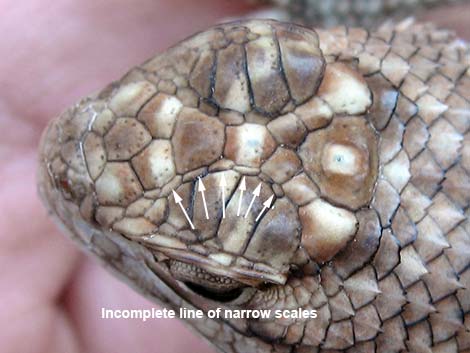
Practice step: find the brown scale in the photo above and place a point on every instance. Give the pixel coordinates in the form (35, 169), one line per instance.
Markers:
(362, 138)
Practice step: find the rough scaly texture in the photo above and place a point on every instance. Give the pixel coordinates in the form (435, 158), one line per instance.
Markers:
(367, 13)
(362, 137)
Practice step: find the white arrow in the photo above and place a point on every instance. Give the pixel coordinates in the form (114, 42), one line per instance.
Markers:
(266, 205)
(201, 188)
(242, 188)
(223, 184)
(256, 193)
(178, 200)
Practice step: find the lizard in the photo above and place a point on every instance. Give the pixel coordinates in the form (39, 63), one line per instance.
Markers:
(359, 138)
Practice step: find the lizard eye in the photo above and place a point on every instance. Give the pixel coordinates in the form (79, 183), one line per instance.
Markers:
(219, 295)
(210, 286)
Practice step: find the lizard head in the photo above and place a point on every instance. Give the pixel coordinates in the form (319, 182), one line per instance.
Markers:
(242, 160)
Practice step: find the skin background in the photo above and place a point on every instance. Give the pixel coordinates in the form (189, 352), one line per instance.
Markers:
(52, 54)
